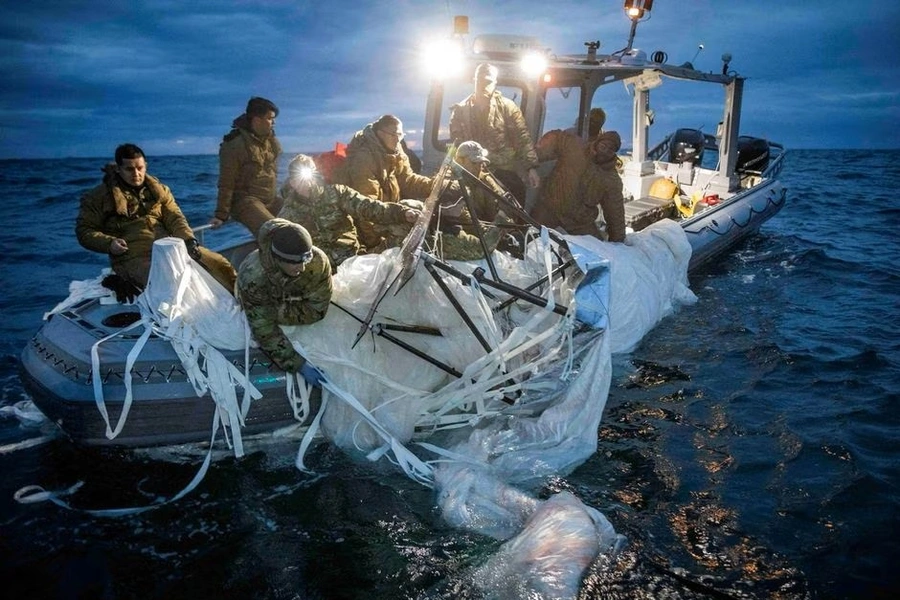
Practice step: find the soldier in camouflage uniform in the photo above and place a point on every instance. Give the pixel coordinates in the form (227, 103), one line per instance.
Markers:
(377, 167)
(457, 238)
(326, 210)
(130, 210)
(248, 168)
(286, 281)
(497, 124)
(473, 157)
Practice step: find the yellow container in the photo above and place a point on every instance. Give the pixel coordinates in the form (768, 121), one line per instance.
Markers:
(664, 188)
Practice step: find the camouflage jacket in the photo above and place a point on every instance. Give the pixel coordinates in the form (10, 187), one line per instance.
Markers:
(270, 298)
(248, 166)
(503, 132)
(376, 172)
(327, 217)
(114, 209)
(571, 193)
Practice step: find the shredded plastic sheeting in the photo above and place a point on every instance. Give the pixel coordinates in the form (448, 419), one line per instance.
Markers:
(187, 306)
(84, 290)
(526, 408)
(484, 475)
(403, 391)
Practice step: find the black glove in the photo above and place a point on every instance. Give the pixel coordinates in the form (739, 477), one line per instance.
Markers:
(125, 290)
(193, 249)
(509, 243)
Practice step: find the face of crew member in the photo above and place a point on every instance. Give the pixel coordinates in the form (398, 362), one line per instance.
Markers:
(133, 171)
(291, 269)
(471, 166)
(301, 185)
(485, 81)
(390, 136)
(262, 125)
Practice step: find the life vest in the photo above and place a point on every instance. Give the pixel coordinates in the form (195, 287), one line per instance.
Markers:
(328, 162)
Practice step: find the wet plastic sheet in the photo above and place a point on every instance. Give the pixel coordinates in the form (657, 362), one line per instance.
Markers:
(484, 475)
(549, 543)
(548, 557)
(648, 278)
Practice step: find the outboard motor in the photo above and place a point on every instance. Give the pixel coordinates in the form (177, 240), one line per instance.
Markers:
(686, 146)
(753, 154)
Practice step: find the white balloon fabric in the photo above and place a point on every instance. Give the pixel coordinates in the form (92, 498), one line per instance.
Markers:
(493, 404)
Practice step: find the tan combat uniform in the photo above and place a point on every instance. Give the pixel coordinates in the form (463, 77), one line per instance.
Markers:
(248, 176)
(376, 172)
(578, 183)
(140, 216)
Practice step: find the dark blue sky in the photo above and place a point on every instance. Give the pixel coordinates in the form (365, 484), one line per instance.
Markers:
(80, 77)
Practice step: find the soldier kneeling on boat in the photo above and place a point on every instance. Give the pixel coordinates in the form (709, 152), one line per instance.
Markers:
(286, 281)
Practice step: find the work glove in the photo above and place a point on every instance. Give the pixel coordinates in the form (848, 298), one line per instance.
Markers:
(124, 290)
(510, 243)
(193, 249)
(311, 374)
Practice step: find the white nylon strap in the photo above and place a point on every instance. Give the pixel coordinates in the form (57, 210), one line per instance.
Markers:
(97, 382)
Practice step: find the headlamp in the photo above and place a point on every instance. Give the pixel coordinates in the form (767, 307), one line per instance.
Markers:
(305, 173)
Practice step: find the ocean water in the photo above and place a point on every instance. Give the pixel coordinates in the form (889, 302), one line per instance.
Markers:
(748, 449)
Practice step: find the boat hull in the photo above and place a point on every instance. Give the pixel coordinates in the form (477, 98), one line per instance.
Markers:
(716, 229)
(56, 371)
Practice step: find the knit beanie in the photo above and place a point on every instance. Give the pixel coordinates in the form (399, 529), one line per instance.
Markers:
(605, 146)
(291, 244)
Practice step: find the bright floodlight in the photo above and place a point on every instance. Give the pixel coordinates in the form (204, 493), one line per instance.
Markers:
(443, 58)
(635, 9)
(534, 64)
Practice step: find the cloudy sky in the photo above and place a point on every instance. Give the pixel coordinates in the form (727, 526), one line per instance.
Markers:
(77, 77)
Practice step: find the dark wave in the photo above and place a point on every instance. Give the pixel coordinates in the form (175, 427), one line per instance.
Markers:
(58, 199)
(888, 212)
(84, 181)
(851, 176)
